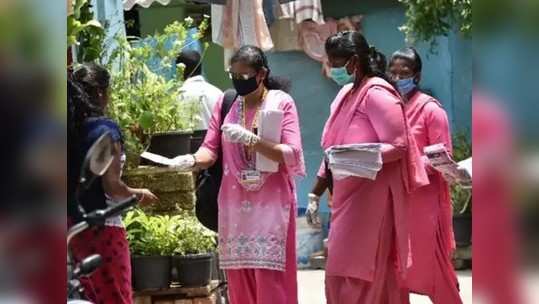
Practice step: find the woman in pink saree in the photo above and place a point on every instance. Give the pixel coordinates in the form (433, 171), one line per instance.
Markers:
(256, 209)
(430, 211)
(368, 241)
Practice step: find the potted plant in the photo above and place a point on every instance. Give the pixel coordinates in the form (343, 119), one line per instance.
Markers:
(192, 262)
(151, 244)
(145, 98)
(461, 198)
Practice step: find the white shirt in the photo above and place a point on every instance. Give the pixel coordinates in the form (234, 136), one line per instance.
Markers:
(197, 88)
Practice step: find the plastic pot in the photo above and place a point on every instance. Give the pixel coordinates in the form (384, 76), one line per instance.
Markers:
(462, 228)
(193, 270)
(197, 139)
(151, 272)
(169, 144)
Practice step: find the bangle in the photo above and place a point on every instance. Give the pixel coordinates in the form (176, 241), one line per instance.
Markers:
(194, 161)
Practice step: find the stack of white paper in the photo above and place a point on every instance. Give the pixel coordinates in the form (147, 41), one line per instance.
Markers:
(361, 160)
(269, 128)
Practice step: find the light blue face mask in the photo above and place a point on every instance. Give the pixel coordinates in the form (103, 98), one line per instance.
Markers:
(341, 76)
(406, 85)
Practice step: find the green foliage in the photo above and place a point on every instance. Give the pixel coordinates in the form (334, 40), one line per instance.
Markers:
(149, 235)
(461, 197)
(193, 237)
(84, 32)
(143, 101)
(462, 148)
(167, 235)
(427, 19)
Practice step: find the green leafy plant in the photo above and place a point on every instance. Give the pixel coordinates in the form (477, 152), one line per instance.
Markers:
(426, 20)
(194, 238)
(145, 84)
(461, 197)
(84, 32)
(150, 235)
(164, 235)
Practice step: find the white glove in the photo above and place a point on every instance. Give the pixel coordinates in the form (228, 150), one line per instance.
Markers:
(235, 133)
(312, 213)
(183, 162)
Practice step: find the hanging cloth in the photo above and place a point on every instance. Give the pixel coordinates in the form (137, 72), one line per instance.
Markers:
(301, 10)
(240, 22)
(312, 36)
(129, 4)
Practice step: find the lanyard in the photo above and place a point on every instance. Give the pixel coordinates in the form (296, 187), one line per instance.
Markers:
(243, 120)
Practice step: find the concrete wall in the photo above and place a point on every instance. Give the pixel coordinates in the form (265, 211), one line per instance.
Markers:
(156, 17)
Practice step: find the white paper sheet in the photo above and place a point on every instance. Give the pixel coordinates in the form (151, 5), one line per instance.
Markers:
(158, 159)
(269, 129)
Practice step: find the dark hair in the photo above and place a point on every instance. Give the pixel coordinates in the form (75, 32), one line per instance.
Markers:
(349, 43)
(192, 61)
(79, 106)
(94, 80)
(255, 58)
(410, 55)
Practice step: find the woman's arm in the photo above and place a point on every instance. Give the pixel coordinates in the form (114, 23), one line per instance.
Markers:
(270, 150)
(386, 115)
(437, 127)
(204, 158)
(116, 189)
(320, 186)
(289, 152)
(206, 155)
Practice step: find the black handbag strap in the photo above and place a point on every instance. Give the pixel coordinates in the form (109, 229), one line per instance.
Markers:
(329, 176)
(228, 100)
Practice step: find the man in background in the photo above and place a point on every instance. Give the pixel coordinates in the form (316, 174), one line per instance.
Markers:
(197, 88)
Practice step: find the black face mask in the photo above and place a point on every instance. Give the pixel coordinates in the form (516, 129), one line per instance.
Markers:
(245, 87)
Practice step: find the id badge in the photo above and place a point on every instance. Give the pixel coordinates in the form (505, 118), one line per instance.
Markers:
(250, 176)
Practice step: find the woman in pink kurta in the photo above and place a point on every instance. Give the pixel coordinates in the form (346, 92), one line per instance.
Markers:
(430, 210)
(256, 209)
(368, 240)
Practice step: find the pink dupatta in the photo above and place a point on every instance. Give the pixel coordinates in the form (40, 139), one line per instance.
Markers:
(410, 169)
(414, 174)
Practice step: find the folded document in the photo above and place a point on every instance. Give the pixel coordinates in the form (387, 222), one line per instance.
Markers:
(441, 161)
(269, 129)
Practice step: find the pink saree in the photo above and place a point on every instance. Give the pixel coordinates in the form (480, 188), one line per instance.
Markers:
(256, 224)
(430, 212)
(368, 241)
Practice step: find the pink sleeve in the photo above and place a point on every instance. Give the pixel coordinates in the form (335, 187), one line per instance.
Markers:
(437, 125)
(387, 118)
(212, 141)
(291, 140)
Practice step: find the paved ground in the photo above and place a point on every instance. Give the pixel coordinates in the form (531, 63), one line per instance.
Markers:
(311, 288)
